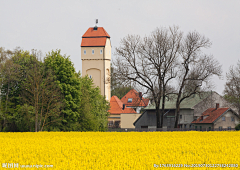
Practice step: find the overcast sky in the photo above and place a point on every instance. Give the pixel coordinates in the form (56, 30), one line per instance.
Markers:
(55, 24)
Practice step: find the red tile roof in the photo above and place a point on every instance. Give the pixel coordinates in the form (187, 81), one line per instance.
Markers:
(94, 38)
(210, 115)
(116, 106)
(93, 42)
(100, 32)
(136, 101)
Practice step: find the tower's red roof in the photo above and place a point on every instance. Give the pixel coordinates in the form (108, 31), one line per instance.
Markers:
(93, 42)
(100, 32)
(95, 38)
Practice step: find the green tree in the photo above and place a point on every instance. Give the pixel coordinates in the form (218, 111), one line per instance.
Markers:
(41, 91)
(70, 87)
(84, 108)
(94, 106)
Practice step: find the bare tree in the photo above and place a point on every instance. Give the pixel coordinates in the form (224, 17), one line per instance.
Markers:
(195, 70)
(150, 62)
(232, 86)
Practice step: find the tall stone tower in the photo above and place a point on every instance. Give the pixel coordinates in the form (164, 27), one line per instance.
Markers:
(96, 58)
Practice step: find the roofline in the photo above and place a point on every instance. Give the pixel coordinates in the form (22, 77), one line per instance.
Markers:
(189, 108)
(204, 98)
(97, 37)
(224, 113)
(93, 46)
(139, 118)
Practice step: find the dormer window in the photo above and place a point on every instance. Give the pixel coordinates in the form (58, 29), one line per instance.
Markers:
(100, 51)
(129, 100)
(85, 52)
(232, 119)
(92, 51)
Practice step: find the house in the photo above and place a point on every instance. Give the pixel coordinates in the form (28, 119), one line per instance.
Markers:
(217, 118)
(134, 99)
(190, 109)
(117, 108)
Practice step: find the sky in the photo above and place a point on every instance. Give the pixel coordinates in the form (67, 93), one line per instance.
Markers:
(56, 24)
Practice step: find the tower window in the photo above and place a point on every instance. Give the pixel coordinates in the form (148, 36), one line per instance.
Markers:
(85, 52)
(100, 51)
(90, 76)
(92, 51)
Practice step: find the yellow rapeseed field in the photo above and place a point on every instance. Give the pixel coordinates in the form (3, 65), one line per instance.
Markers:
(120, 150)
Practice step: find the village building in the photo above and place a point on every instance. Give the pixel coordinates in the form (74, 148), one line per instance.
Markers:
(135, 100)
(190, 109)
(96, 58)
(125, 111)
(217, 119)
(117, 108)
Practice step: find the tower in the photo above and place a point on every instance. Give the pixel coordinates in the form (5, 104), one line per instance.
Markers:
(96, 58)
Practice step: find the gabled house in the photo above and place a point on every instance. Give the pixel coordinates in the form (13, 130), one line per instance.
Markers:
(116, 109)
(134, 99)
(190, 109)
(217, 118)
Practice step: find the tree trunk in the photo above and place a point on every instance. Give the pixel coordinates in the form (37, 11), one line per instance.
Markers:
(4, 119)
(158, 116)
(177, 115)
(162, 110)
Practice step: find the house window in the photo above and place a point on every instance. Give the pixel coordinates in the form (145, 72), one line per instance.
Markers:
(129, 100)
(209, 128)
(190, 126)
(117, 124)
(232, 119)
(90, 76)
(196, 127)
(223, 118)
(144, 127)
(200, 127)
(185, 125)
(110, 123)
(229, 128)
(92, 51)
(100, 51)
(85, 52)
(220, 128)
(180, 116)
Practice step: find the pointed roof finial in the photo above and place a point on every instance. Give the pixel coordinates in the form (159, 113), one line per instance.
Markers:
(95, 28)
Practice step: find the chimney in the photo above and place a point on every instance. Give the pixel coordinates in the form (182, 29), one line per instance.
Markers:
(217, 106)
(123, 106)
(140, 95)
